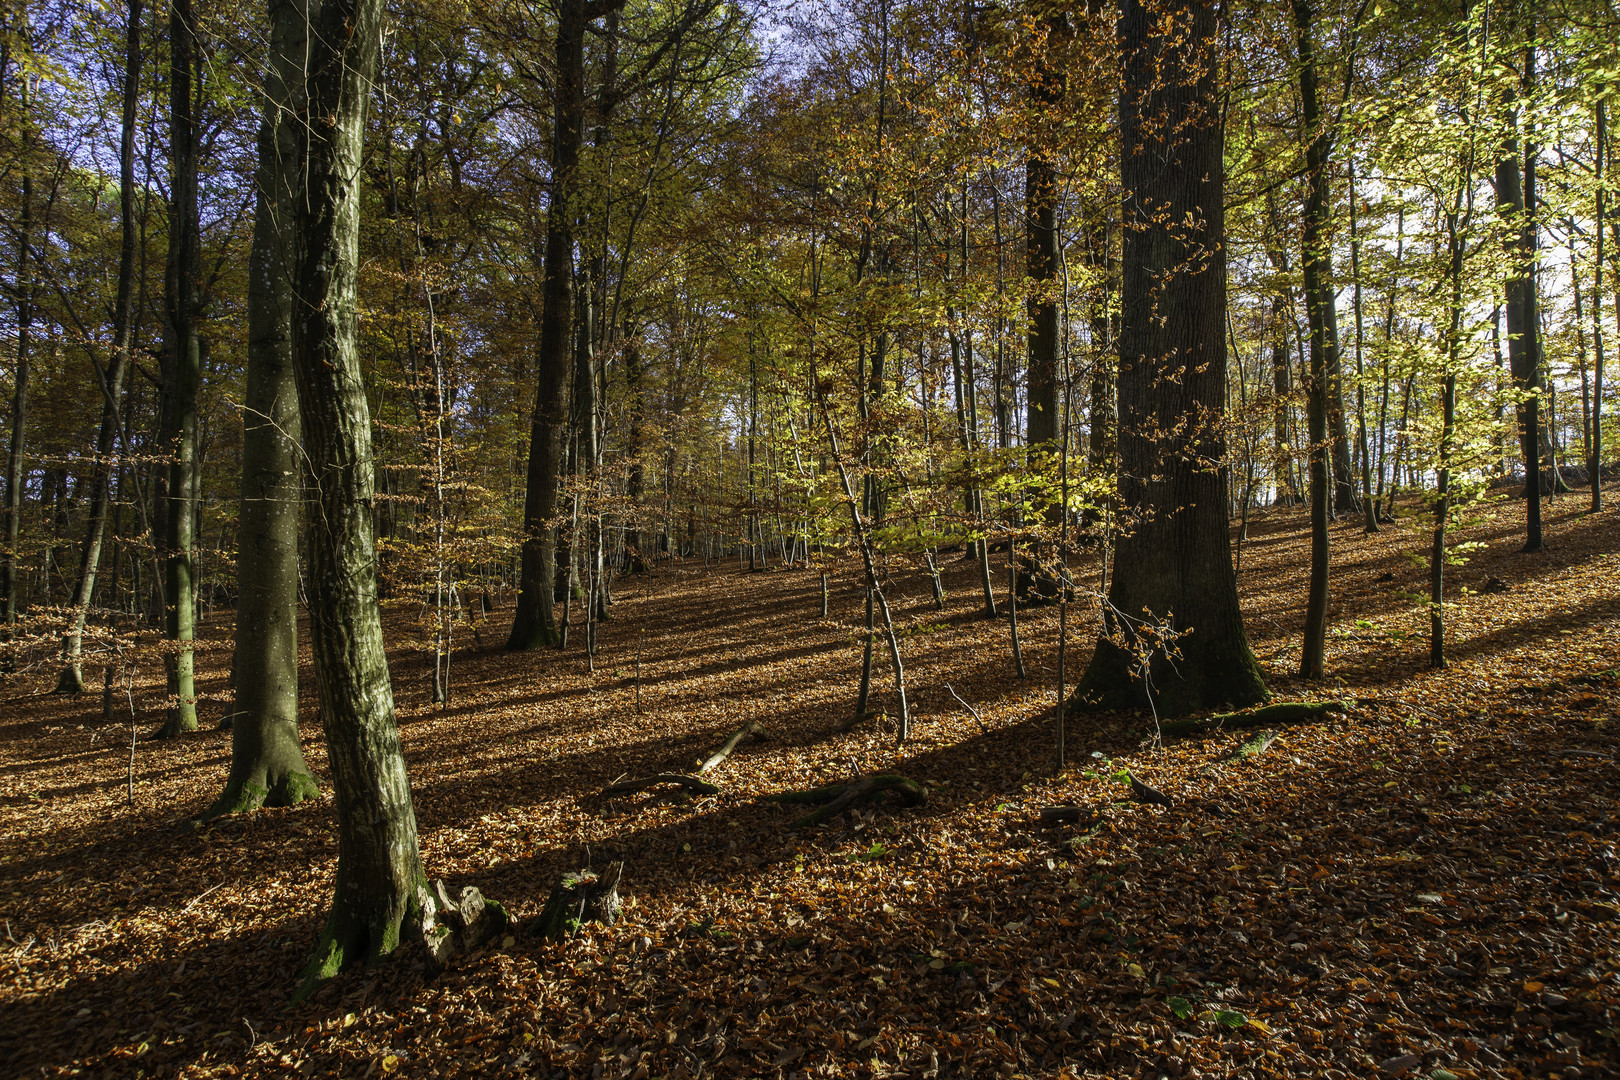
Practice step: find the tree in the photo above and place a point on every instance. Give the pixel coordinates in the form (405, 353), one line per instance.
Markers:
(110, 379)
(182, 374)
(379, 860)
(535, 623)
(267, 763)
(1174, 587)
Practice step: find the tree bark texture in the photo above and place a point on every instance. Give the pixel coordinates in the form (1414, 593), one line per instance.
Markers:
(1174, 562)
(112, 380)
(535, 622)
(267, 762)
(1319, 303)
(182, 377)
(379, 862)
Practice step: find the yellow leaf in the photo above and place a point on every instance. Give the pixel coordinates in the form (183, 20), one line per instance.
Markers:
(1260, 1026)
(389, 1063)
(1053, 983)
(1532, 987)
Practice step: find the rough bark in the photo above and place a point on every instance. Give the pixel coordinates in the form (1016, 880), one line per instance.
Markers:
(9, 581)
(267, 762)
(1174, 563)
(379, 862)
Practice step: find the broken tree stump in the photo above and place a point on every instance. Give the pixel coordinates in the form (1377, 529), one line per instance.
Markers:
(450, 927)
(1053, 816)
(834, 799)
(690, 783)
(755, 729)
(580, 897)
(1279, 714)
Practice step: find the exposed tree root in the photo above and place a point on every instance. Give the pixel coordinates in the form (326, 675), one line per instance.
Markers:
(834, 799)
(1280, 714)
(690, 783)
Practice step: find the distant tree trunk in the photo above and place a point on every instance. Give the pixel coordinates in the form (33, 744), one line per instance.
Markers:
(1523, 322)
(1281, 382)
(379, 861)
(1319, 307)
(534, 623)
(112, 380)
(636, 482)
(1369, 509)
(267, 762)
(183, 356)
(9, 581)
(1104, 358)
(1175, 560)
(1594, 468)
(1040, 239)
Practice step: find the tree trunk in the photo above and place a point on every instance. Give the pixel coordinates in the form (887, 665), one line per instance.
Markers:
(9, 581)
(1594, 468)
(534, 623)
(112, 380)
(183, 360)
(1175, 562)
(379, 862)
(1523, 323)
(1040, 238)
(267, 763)
(1319, 304)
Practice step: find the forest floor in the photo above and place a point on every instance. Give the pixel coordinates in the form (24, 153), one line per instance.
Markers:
(1423, 885)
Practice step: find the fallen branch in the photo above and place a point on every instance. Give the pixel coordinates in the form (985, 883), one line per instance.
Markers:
(834, 799)
(690, 783)
(1143, 793)
(969, 708)
(1253, 746)
(1280, 714)
(755, 729)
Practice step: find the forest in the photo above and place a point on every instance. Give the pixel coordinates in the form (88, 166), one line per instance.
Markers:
(672, 538)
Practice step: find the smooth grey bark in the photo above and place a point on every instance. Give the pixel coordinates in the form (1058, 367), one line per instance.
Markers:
(181, 378)
(379, 860)
(112, 379)
(1174, 562)
(267, 762)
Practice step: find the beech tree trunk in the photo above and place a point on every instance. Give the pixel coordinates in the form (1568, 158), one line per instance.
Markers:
(379, 862)
(1174, 563)
(535, 622)
(1523, 321)
(183, 356)
(9, 583)
(1319, 306)
(267, 762)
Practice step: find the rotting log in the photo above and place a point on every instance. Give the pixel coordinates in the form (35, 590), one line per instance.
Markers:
(755, 729)
(1251, 747)
(834, 799)
(451, 927)
(1280, 714)
(580, 897)
(690, 783)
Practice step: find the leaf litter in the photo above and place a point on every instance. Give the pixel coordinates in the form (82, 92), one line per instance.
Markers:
(1422, 885)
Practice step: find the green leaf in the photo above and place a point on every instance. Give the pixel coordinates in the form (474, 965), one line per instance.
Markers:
(1231, 1018)
(1180, 1006)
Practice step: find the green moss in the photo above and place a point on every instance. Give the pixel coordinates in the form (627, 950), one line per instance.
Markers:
(294, 788)
(326, 962)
